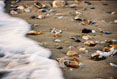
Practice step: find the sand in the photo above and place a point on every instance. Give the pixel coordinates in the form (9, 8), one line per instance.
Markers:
(91, 69)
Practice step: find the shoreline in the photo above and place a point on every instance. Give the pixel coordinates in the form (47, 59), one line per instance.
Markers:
(93, 70)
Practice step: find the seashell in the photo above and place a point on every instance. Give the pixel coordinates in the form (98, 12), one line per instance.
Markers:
(13, 12)
(41, 17)
(33, 32)
(72, 53)
(90, 43)
(20, 7)
(58, 3)
(27, 10)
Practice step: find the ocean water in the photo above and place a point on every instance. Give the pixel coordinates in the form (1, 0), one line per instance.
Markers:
(23, 58)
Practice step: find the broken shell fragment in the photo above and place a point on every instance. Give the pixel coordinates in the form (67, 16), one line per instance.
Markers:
(81, 48)
(73, 64)
(12, 12)
(57, 35)
(90, 43)
(72, 53)
(113, 65)
(35, 25)
(59, 47)
(42, 10)
(20, 7)
(106, 49)
(27, 10)
(85, 22)
(54, 30)
(33, 32)
(68, 62)
(41, 17)
(100, 55)
(97, 57)
(57, 40)
(58, 3)
(37, 4)
(75, 39)
(78, 18)
(86, 37)
(66, 42)
(114, 45)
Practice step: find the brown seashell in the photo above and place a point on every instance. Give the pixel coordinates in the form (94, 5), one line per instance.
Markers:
(106, 49)
(57, 35)
(33, 33)
(72, 53)
(75, 59)
(85, 22)
(114, 45)
(73, 64)
(90, 43)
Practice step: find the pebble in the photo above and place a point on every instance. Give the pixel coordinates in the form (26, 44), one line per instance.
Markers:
(59, 47)
(85, 30)
(33, 17)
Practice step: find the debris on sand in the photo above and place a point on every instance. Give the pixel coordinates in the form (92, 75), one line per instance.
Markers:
(57, 40)
(82, 49)
(72, 53)
(58, 3)
(86, 37)
(88, 22)
(114, 46)
(75, 38)
(56, 32)
(40, 17)
(35, 25)
(99, 55)
(33, 32)
(12, 12)
(59, 47)
(69, 62)
(37, 4)
(90, 43)
(33, 17)
(113, 65)
(78, 18)
(73, 6)
(85, 30)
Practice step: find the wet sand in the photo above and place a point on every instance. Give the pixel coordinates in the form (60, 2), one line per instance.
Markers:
(91, 69)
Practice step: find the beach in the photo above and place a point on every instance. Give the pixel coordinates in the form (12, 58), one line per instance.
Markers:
(100, 14)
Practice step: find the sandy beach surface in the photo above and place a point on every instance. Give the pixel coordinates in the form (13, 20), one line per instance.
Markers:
(101, 14)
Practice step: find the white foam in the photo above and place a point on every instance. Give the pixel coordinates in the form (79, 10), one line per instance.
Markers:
(24, 58)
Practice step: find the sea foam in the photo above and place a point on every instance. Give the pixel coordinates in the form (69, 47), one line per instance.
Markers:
(24, 58)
